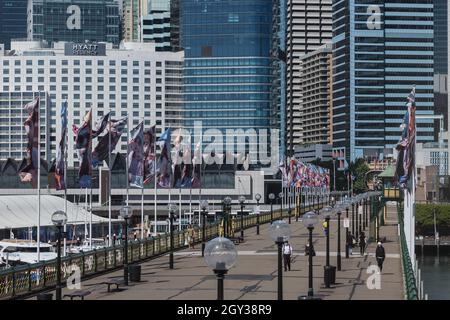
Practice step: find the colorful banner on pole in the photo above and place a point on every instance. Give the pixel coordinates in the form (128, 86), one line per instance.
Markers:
(407, 144)
(29, 173)
(60, 167)
(164, 163)
(101, 151)
(298, 174)
(83, 144)
(136, 157)
(149, 154)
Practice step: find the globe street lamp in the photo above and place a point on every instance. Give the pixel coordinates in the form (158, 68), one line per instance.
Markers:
(280, 195)
(310, 219)
(227, 212)
(126, 212)
(173, 208)
(327, 212)
(280, 231)
(59, 219)
(271, 198)
(241, 202)
(257, 197)
(204, 205)
(220, 255)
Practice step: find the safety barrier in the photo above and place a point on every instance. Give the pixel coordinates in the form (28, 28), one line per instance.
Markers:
(408, 271)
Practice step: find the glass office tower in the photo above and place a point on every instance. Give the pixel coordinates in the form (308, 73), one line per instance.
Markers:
(227, 63)
(74, 20)
(13, 20)
(376, 62)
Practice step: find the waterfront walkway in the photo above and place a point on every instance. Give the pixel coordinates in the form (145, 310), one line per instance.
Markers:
(254, 277)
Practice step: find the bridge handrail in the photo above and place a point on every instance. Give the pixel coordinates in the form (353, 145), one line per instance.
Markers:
(24, 280)
(408, 271)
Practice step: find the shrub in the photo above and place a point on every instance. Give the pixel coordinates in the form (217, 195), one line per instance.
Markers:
(425, 219)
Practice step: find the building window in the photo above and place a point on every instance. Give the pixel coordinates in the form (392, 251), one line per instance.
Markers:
(135, 63)
(124, 63)
(40, 62)
(147, 63)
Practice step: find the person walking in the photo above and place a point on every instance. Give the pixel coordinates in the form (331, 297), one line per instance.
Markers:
(307, 248)
(190, 234)
(350, 242)
(287, 251)
(380, 255)
(362, 243)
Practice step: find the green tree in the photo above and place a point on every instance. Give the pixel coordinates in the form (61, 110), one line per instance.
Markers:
(359, 168)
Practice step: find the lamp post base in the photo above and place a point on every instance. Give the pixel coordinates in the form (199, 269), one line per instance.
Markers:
(308, 297)
(220, 273)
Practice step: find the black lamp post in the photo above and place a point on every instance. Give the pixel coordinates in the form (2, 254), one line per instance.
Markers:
(289, 204)
(310, 219)
(353, 217)
(227, 213)
(280, 195)
(279, 231)
(204, 205)
(172, 209)
(327, 211)
(59, 219)
(126, 212)
(220, 255)
(241, 202)
(299, 204)
(367, 210)
(271, 198)
(257, 197)
(357, 214)
(338, 261)
(347, 243)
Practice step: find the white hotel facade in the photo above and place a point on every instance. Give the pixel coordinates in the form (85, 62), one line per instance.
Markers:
(133, 80)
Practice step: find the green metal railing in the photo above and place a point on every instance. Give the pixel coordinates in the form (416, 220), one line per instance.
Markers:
(24, 280)
(408, 271)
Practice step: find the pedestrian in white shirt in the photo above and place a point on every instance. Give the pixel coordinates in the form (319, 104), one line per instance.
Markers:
(287, 251)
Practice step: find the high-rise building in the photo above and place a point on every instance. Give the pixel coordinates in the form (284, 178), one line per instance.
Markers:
(441, 41)
(161, 25)
(74, 20)
(13, 20)
(133, 80)
(381, 49)
(309, 26)
(228, 75)
(316, 105)
(132, 13)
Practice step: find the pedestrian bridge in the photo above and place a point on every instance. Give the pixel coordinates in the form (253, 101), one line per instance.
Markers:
(254, 277)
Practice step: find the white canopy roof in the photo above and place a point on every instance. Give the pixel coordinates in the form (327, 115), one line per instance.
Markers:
(20, 211)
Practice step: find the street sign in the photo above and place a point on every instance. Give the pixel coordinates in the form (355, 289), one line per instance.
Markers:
(346, 223)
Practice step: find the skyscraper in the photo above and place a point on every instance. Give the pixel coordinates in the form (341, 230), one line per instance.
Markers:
(309, 26)
(13, 20)
(227, 63)
(74, 20)
(381, 50)
(441, 41)
(132, 13)
(161, 25)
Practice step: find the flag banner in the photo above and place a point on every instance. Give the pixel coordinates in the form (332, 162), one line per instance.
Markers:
(101, 152)
(136, 157)
(83, 144)
(298, 174)
(59, 170)
(164, 163)
(149, 154)
(182, 167)
(29, 173)
(407, 144)
(196, 167)
(100, 126)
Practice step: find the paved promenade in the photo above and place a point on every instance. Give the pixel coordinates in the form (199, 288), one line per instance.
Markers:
(254, 277)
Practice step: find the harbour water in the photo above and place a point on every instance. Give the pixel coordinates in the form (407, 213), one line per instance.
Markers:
(436, 276)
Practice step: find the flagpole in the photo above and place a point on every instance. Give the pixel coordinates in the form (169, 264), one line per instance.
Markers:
(142, 191)
(90, 219)
(179, 208)
(126, 159)
(38, 238)
(65, 180)
(86, 209)
(154, 178)
(109, 184)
